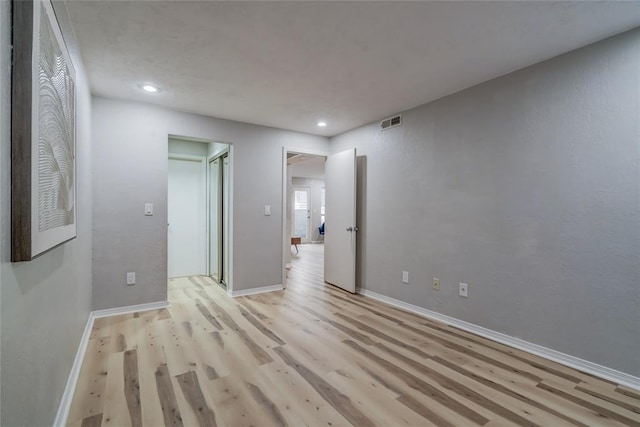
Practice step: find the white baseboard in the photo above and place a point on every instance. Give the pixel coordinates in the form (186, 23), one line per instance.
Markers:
(253, 291)
(547, 353)
(130, 309)
(72, 381)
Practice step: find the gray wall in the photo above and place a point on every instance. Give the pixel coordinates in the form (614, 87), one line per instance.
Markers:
(45, 303)
(130, 168)
(191, 148)
(313, 167)
(216, 148)
(526, 187)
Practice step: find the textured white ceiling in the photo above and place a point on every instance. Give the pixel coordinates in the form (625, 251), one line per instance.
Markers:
(289, 64)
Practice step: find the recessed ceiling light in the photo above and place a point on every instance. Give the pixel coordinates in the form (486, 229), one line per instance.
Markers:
(322, 124)
(149, 88)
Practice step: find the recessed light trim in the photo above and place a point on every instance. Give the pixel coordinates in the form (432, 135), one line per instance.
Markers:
(149, 88)
(322, 124)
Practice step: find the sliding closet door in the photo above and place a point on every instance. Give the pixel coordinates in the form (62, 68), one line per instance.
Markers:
(215, 220)
(225, 219)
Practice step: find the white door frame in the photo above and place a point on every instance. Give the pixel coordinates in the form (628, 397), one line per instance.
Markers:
(205, 175)
(286, 245)
(231, 180)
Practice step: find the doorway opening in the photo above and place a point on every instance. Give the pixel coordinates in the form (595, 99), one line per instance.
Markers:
(335, 221)
(305, 208)
(199, 209)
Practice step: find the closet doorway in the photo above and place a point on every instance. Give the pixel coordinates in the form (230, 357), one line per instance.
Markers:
(200, 209)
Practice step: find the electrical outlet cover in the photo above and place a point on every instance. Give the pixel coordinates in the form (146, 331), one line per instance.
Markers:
(463, 290)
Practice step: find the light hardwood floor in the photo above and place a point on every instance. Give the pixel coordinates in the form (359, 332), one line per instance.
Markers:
(314, 355)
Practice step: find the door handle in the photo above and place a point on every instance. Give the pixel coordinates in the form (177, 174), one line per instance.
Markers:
(349, 228)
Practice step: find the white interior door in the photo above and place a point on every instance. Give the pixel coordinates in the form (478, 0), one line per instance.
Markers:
(187, 245)
(225, 220)
(302, 213)
(340, 222)
(215, 220)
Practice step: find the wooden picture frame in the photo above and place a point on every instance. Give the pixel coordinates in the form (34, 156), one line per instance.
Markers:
(43, 120)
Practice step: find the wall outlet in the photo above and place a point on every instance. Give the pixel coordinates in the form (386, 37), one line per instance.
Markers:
(405, 277)
(267, 210)
(436, 284)
(463, 290)
(131, 278)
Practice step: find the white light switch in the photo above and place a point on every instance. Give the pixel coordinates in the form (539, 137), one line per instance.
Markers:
(405, 277)
(267, 210)
(148, 209)
(131, 278)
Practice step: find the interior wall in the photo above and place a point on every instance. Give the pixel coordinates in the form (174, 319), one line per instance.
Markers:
(525, 187)
(216, 148)
(313, 167)
(191, 148)
(45, 303)
(131, 169)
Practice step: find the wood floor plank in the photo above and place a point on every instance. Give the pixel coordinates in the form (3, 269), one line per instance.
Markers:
(419, 385)
(270, 408)
(505, 390)
(90, 390)
(207, 315)
(92, 421)
(315, 355)
(168, 401)
(150, 358)
(621, 401)
(132, 387)
(338, 400)
(116, 412)
(425, 411)
(258, 352)
(234, 403)
(298, 400)
(261, 327)
(603, 408)
(382, 410)
(626, 391)
(193, 394)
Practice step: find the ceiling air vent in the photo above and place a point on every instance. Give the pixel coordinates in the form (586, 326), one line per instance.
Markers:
(391, 122)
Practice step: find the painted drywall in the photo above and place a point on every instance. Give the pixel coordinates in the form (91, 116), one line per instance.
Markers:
(526, 187)
(314, 185)
(216, 148)
(45, 303)
(313, 167)
(190, 148)
(130, 149)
